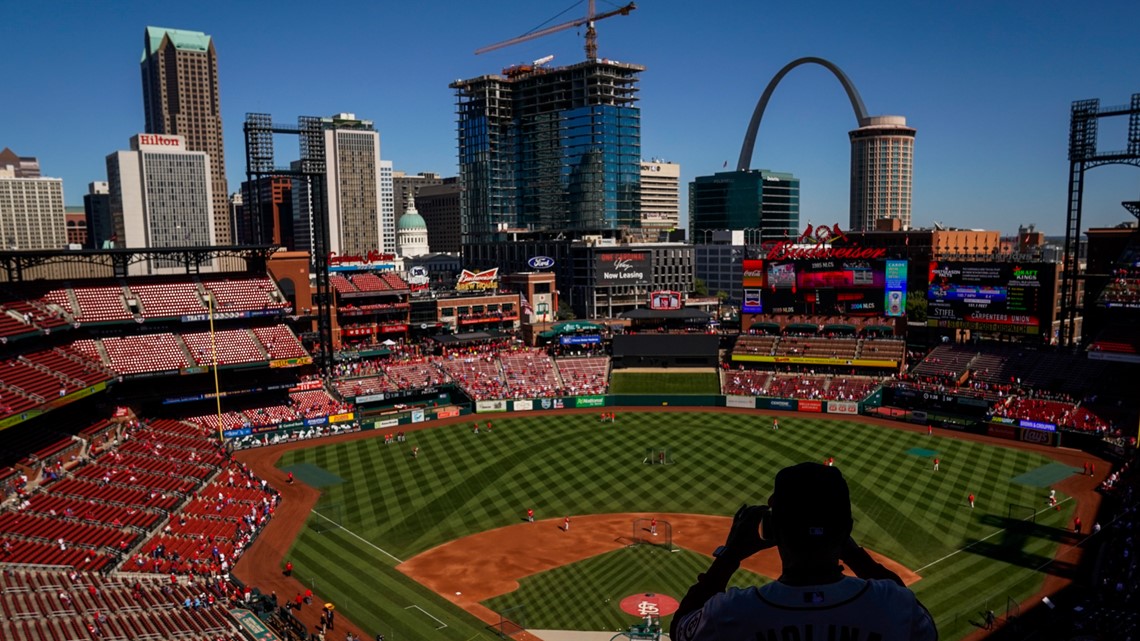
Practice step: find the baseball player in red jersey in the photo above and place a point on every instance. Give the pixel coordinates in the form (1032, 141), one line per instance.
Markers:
(530, 515)
(936, 462)
(653, 526)
(971, 500)
(566, 524)
(808, 518)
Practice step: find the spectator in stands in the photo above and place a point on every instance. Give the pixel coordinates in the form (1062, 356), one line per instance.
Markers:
(809, 519)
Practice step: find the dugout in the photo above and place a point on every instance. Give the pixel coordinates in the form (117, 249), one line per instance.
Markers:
(665, 350)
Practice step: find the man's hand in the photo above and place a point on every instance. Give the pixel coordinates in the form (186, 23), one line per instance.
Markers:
(744, 537)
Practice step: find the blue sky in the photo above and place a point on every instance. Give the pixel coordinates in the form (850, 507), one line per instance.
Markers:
(988, 85)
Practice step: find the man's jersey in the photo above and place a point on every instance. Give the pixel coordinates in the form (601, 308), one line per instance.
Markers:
(848, 609)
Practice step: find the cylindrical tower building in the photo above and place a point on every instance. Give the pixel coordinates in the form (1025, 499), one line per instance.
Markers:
(882, 159)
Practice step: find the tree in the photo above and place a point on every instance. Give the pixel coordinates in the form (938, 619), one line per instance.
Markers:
(700, 287)
(916, 306)
(565, 313)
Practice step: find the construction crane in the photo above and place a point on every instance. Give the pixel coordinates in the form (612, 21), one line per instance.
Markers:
(521, 69)
(591, 33)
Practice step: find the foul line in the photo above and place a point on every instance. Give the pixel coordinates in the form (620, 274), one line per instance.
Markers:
(1044, 509)
(359, 538)
(442, 625)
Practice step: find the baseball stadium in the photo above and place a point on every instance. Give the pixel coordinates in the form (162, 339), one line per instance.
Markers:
(227, 453)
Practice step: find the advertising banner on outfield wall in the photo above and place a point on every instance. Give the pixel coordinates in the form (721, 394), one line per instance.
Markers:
(747, 402)
(1036, 436)
(391, 422)
(447, 412)
(551, 403)
(342, 418)
(806, 405)
(417, 416)
(491, 406)
(590, 401)
(841, 407)
(522, 406)
(1007, 432)
(777, 403)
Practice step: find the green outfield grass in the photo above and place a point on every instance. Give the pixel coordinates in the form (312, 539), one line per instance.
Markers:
(570, 464)
(664, 383)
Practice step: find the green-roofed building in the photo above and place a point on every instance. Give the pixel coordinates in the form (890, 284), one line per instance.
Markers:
(180, 98)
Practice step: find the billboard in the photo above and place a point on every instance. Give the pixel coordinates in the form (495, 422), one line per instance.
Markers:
(851, 287)
(665, 300)
(487, 279)
(993, 297)
(622, 268)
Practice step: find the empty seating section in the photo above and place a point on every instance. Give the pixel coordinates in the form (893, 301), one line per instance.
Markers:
(21, 377)
(169, 299)
(414, 374)
(10, 326)
(84, 510)
(314, 403)
(244, 294)
(101, 304)
(280, 342)
(232, 346)
(229, 420)
(134, 479)
(585, 375)
(796, 386)
(883, 349)
(947, 362)
(394, 281)
(353, 387)
(746, 382)
(145, 353)
(530, 374)
(61, 297)
(51, 606)
(755, 344)
(47, 374)
(113, 494)
(840, 348)
(342, 285)
(16, 550)
(39, 313)
(368, 282)
(480, 376)
(203, 527)
(52, 530)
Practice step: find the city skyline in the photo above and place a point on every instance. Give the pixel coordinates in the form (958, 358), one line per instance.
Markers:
(988, 88)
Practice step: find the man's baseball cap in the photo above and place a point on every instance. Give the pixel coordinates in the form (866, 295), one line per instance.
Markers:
(811, 504)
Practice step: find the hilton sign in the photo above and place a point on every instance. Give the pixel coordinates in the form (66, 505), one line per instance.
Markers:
(157, 140)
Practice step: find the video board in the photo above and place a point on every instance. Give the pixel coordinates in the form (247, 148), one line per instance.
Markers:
(992, 297)
(851, 287)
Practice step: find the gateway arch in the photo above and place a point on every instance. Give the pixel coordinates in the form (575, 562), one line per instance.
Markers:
(877, 191)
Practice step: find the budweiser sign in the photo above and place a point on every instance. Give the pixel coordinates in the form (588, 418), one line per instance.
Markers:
(816, 243)
(486, 279)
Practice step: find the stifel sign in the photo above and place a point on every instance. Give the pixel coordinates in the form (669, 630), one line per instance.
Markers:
(816, 243)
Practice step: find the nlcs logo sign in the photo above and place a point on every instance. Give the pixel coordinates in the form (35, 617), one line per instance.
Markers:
(541, 262)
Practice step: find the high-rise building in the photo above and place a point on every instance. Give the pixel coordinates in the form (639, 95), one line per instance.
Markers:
(97, 210)
(387, 208)
(439, 205)
(31, 206)
(75, 221)
(550, 149)
(272, 225)
(764, 204)
(882, 159)
(660, 194)
(180, 98)
(405, 187)
(161, 194)
(354, 187)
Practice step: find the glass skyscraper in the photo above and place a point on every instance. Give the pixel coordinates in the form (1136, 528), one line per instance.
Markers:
(550, 149)
(766, 204)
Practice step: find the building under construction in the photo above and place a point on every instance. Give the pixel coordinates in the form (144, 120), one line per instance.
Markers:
(550, 148)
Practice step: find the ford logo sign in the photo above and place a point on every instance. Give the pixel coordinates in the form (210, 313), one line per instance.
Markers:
(541, 262)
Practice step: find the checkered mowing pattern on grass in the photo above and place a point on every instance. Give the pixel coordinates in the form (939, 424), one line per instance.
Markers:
(648, 532)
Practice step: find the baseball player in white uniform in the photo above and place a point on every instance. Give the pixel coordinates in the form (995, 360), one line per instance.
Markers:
(808, 518)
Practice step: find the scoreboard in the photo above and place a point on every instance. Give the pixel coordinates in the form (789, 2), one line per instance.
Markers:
(854, 287)
(994, 297)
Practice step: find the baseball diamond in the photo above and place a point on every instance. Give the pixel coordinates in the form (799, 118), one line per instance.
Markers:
(397, 513)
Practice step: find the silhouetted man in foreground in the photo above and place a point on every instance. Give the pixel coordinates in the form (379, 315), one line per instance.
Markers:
(808, 518)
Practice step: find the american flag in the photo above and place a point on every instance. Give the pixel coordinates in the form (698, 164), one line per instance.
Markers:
(525, 304)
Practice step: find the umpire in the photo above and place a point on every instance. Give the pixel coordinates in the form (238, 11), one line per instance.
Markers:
(808, 518)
